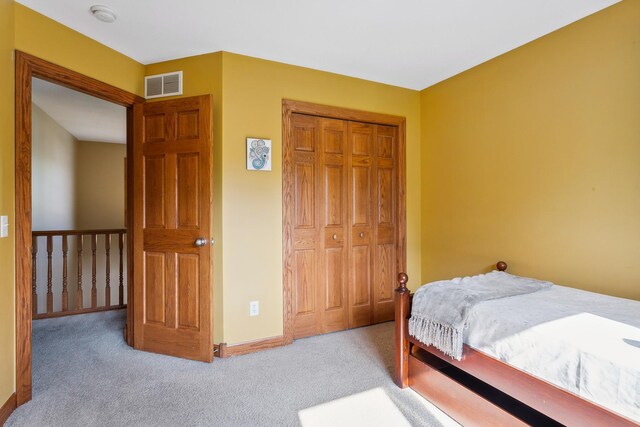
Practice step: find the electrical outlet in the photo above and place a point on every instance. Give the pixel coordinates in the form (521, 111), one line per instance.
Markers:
(254, 308)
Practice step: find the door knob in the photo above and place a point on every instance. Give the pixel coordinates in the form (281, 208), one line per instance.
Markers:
(200, 241)
(335, 237)
(361, 234)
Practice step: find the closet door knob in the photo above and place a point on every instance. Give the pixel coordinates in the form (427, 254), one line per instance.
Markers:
(361, 234)
(335, 237)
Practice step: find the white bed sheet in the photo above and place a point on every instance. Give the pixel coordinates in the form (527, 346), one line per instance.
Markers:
(584, 342)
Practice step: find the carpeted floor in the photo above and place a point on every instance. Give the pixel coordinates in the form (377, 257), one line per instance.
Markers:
(85, 375)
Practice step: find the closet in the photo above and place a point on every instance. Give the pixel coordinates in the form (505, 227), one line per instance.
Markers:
(343, 228)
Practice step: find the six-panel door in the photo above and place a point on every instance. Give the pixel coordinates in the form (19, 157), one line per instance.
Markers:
(320, 299)
(173, 178)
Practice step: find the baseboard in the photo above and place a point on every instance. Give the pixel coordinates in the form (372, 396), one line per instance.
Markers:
(225, 350)
(7, 409)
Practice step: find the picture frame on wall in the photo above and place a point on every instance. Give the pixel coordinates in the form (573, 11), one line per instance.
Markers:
(259, 154)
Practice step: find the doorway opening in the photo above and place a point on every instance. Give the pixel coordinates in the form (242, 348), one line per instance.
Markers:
(78, 156)
(29, 68)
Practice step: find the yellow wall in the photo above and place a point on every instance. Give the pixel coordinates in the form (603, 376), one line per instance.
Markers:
(202, 75)
(534, 158)
(47, 39)
(253, 90)
(7, 253)
(26, 30)
(250, 91)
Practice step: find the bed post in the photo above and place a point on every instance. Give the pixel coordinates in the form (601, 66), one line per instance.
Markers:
(402, 344)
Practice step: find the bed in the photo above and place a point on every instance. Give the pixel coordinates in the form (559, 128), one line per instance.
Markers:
(555, 356)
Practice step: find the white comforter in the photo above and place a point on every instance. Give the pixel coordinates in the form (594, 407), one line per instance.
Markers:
(584, 342)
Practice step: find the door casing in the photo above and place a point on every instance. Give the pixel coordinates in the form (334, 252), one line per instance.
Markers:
(290, 107)
(27, 67)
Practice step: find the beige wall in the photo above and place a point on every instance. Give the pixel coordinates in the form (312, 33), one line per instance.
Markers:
(53, 197)
(7, 206)
(534, 158)
(99, 185)
(53, 161)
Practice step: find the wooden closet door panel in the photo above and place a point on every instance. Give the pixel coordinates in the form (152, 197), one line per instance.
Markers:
(306, 263)
(384, 213)
(335, 316)
(360, 187)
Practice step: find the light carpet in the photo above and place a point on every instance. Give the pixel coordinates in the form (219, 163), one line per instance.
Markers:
(85, 375)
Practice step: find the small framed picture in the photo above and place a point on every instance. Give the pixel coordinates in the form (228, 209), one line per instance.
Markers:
(258, 154)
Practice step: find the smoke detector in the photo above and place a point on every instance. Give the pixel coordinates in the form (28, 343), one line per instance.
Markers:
(103, 13)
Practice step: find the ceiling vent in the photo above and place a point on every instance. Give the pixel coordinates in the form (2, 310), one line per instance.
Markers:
(167, 84)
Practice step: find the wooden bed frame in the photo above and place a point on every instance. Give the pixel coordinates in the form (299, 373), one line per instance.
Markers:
(480, 388)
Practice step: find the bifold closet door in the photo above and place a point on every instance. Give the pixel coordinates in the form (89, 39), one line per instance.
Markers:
(372, 222)
(344, 225)
(385, 182)
(360, 192)
(320, 299)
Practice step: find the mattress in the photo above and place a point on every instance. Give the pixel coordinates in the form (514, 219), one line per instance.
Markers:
(586, 343)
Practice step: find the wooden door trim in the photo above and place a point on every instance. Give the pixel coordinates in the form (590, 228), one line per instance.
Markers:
(27, 67)
(289, 107)
(328, 111)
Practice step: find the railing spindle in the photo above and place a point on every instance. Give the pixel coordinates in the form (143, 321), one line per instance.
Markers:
(94, 289)
(49, 274)
(107, 287)
(121, 278)
(66, 307)
(34, 275)
(65, 294)
(79, 298)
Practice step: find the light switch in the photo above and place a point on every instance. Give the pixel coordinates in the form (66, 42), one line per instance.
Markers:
(4, 226)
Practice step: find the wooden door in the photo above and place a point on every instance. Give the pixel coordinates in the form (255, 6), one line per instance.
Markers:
(360, 193)
(372, 221)
(333, 224)
(385, 180)
(172, 211)
(306, 230)
(320, 299)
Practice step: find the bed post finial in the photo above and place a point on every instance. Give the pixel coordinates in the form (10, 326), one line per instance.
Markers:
(501, 266)
(402, 280)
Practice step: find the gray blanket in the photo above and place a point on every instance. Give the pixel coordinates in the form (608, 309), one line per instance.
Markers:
(440, 309)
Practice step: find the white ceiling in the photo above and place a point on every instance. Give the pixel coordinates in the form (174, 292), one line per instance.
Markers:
(408, 43)
(85, 117)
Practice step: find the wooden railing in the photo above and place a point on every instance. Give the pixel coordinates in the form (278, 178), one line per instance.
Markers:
(77, 305)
